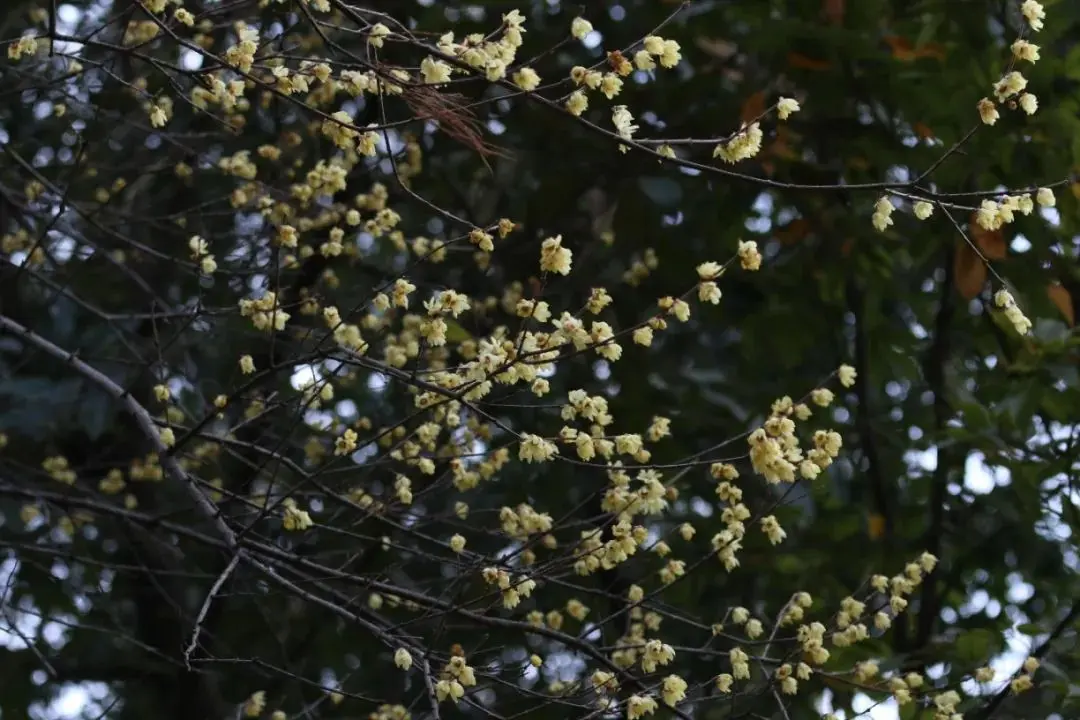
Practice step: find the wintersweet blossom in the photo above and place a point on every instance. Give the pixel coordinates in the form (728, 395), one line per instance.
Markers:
(746, 144)
(656, 653)
(1029, 103)
(577, 103)
(527, 79)
(623, 122)
(580, 28)
(709, 270)
(534, 448)
(1004, 300)
(158, 117)
(377, 33)
(254, 705)
(294, 519)
(749, 256)
(1034, 13)
(786, 107)
(988, 112)
(610, 85)
(554, 257)
(644, 61)
(1023, 50)
(1009, 85)
(25, 45)
(434, 72)
(882, 217)
(639, 705)
(673, 690)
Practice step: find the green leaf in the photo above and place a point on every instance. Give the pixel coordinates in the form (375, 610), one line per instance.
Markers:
(975, 646)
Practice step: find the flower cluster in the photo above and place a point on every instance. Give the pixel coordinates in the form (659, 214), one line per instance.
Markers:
(454, 358)
(744, 145)
(1004, 301)
(1010, 89)
(265, 313)
(456, 676)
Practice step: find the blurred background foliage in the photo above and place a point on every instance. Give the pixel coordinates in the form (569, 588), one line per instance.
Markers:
(959, 436)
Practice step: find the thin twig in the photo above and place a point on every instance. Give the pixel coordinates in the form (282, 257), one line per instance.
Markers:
(201, 617)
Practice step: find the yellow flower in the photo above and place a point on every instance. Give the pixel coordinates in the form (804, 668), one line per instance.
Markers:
(26, 45)
(554, 257)
(451, 689)
(882, 214)
(457, 543)
(786, 107)
(610, 85)
(255, 704)
(749, 256)
(377, 33)
(295, 519)
(638, 706)
(527, 79)
(434, 71)
(1034, 13)
(1029, 103)
(577, 103)
(673, 690)
(1023, 50)
(987, 111)
(534, 448)
(580, 28)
